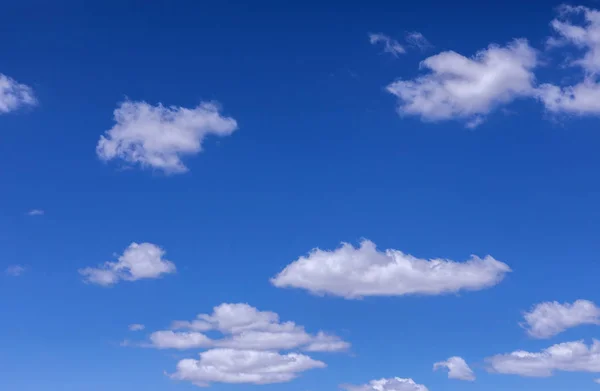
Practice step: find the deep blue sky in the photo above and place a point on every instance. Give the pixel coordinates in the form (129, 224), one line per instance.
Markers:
(320, 157)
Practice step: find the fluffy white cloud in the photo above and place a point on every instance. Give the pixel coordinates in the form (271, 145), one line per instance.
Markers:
(136, 327)
(158, 136)
(15, 270)
(35, 212)
(139, 261)
(457, 368)
(355, 272)
(393, 384)
(390, 45)
(548, 319)
(243, 366)
(582, 98)
(14, 95)
(458, 87)
(246, 328)
(568, 357)
(418, 40)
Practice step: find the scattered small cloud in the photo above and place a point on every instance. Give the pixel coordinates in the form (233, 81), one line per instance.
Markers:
(548, 319)
(352, 273)
(15, 270)
(14, 95)
(393, 384)
(390, 45)
(158, 137)
(139, 261)
(417, 40)
(35, 212)
(457, 368)
(136, 327)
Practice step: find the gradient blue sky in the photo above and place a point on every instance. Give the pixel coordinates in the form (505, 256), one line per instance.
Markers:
(321, 157)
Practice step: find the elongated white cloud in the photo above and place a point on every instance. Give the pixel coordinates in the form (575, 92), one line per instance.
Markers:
(158, 136)
(548, 319)
(243, 366)
(457, 368)
(14, 95)
(35, 212)
(364, 271)
(393, 384)
(567, 357)
(468, 89)
(139, 261)
(15, 270)
(582, 98)
(246, 328)
(136, 327)
(390, 45)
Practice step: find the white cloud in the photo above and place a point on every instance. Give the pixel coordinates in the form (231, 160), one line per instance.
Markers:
(355, 272)
(243, 366)
(393, 384)
(548, 319)
(597, 381)
(390, 45)
(246, 328)
(14, 95)
(458, 87)
(158, 137)
(418, 40)
(568, 357)
(35, 212)
(139, 261)
(457, 369)
(582, 98)
(136, 327)
(15, 270)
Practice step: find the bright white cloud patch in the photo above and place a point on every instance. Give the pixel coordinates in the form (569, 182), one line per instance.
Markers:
(243, 366)
(14, 95)
(458, 87)
(15, 270)
(582, 98)
(393, 384)
(139, 261)
(136, 327)
(457, 368)
(548, 319)
(35, 212)
(246, 328)
(568, 357)
(158, 136)
(364, 271)
(390, 45)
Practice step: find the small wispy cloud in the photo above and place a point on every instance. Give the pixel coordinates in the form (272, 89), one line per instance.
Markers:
(35, 212)
(136, 327)
(390, 45)
(418, 40)
(15, 270)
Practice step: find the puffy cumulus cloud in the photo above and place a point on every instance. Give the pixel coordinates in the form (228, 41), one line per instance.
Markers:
(393, 384)
(457, 368)
(390, 45)
(243, 366)
(138, 261)
(14, 95)
(246, 328)
(548, 319)
(582, 98)
(158, 137)
(136, 327)
(364, 271)
(568, 357)
(15, 270)
(458, 87)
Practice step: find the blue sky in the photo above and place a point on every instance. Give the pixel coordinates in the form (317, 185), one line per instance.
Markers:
(239, 139)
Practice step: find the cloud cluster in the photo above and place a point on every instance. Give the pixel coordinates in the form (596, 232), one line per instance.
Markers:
(249, 350)
(457, 368)
(14, 95)
(138, 261)
(159, 137)
(392, 384)
(567, 357)
(548, 319)
(365, 271)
